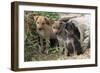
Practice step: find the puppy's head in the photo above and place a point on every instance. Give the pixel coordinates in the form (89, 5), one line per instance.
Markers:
(58, 26)
(42, 22)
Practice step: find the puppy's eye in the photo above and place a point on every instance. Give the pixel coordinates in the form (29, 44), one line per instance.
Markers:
(37, 22)
(58, 27)
(54, 27)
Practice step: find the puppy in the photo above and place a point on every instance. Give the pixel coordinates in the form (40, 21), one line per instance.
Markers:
(44, 28)
(65, 31)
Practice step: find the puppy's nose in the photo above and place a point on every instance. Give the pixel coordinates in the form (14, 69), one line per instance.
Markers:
(40, 29)
(56, 33)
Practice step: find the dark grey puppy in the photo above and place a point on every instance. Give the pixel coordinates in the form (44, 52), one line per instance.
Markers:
(68, 36)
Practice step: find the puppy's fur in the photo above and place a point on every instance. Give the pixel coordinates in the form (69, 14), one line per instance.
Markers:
(44, 28)
(67, 37)
(43, 25)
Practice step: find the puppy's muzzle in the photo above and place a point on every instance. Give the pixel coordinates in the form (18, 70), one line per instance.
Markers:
(40, 29)
(55, 32)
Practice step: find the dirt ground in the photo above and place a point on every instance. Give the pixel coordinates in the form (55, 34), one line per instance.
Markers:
(58, 56)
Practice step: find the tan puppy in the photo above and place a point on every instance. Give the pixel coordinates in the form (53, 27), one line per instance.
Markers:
(44, 28)
(43, 25)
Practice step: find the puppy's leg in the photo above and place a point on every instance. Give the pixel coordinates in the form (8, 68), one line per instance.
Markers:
(71, 49)
(78, 47)
(65, 50)
(74, 48)
(61, 47)
(41, 45)
(46, 46)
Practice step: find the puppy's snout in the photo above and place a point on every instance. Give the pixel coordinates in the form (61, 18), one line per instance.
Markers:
(39, 29)
(56, 33)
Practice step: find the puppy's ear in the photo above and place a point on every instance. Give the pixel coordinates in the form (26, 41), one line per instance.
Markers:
(64, 19)
(49, 21)
(35, 18)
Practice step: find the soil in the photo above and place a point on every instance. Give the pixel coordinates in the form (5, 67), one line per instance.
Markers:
(59, 56)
